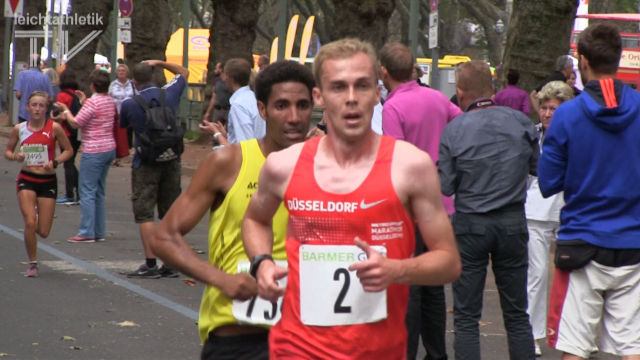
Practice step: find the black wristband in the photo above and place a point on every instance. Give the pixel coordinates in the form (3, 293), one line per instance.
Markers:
(55, 163)
(255, 264)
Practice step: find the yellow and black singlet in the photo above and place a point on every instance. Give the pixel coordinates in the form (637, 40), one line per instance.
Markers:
(225, 240)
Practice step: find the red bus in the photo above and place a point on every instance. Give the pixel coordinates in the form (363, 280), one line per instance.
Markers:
(629, 69)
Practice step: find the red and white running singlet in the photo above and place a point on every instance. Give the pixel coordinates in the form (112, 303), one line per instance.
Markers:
(39, 147)
(326, 314)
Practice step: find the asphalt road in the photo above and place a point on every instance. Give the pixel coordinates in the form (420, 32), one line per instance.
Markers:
(81, 291)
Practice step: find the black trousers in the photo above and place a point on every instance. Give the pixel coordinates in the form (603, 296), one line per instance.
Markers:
(426, 316)
(500, 236)
(71, 173)
(242, 347)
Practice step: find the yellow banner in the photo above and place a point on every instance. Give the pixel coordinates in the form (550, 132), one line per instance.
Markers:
(274, 51)
(306, 39)
(291, 36)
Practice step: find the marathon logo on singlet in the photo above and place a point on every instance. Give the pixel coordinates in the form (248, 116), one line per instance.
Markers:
(321, 206)
(387, 231)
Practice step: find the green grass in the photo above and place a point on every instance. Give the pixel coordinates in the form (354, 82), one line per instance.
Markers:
(192, 134)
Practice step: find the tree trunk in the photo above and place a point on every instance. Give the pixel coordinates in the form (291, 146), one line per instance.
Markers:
(539, 32)
(232, 33)
(363, 19)
(151, 25)
(82, 62)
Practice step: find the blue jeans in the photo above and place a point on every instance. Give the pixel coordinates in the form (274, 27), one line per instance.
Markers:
(93, 182)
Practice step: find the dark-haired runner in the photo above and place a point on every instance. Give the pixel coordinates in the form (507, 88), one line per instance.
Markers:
(231, 328)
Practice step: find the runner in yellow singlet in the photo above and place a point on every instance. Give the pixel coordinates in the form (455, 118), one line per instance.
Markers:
(234, 321)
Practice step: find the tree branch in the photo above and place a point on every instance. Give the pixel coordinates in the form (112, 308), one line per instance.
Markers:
(327, 8)
(483, 11)
(303, 10)
(196, 11)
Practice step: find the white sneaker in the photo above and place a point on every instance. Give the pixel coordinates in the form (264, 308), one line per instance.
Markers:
(538, 350)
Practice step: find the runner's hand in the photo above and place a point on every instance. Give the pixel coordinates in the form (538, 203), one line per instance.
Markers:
(61, 107)
(239, 287)
(377, 272)
(48, 165)
(19, 157)
(268, 275)
(154, 63)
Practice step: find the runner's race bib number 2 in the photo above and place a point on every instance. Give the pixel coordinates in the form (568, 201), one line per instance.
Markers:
(258, 311)
(35, 155)
(330, 294)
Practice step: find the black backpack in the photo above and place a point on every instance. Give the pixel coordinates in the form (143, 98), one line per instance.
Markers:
(162, 140)
(75, 109)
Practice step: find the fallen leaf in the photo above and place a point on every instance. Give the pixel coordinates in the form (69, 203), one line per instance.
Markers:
(67, 338)
(100, 257)
(190, 282)
(75, 347)
(24, 263)
(450, 310)
(199, 252)
(55, 216)
(483, 323)
(3, 354)
(56, 242)
(127, 324)
(21, 230)
(34, 344)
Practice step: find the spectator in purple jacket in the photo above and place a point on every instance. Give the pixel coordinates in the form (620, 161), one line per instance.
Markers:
(512, 96)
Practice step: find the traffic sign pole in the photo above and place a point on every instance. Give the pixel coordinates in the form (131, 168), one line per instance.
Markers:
(434, 24)
(114, 42)
(282, 29)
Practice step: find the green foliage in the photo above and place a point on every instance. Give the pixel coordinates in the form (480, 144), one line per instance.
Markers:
(192, 134)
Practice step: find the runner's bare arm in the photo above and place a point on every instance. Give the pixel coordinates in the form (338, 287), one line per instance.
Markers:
(10, 153)
(416, 182)
(169, 243)
(441, 264)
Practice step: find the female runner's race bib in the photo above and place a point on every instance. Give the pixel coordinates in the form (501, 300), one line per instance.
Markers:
(35, 155)
(332, 295)
(258, 311)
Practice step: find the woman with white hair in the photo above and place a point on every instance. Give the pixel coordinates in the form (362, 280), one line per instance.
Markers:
(543, 219)
(120, 89)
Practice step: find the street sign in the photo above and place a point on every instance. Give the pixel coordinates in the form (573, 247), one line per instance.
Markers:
(434, 5)
(124, 36)
(126, 7)
(13, 8)
(433, 30)
(124, 23)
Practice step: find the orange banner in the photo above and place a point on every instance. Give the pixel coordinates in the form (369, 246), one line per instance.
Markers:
(274, 51)
(291, 36)
(306, 39)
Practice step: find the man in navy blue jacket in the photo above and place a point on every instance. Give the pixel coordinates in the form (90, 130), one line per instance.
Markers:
(592, 153)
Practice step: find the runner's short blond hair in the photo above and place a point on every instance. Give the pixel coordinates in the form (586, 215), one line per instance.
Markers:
(343, 49)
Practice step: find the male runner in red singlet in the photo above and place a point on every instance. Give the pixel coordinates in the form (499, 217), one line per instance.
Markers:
(352, 198)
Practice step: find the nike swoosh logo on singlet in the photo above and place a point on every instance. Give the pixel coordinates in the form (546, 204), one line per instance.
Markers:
(364, 206)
